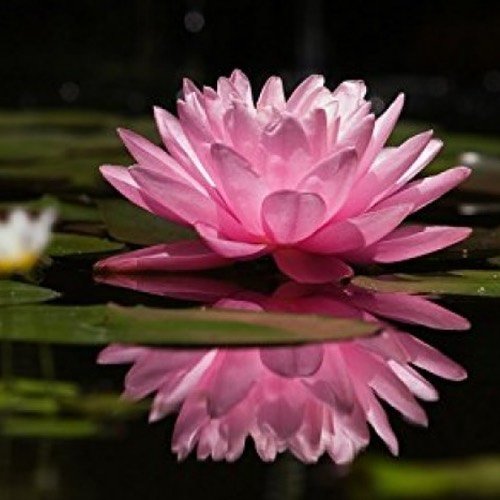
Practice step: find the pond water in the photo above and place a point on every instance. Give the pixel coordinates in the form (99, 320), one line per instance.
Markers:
(65, 432)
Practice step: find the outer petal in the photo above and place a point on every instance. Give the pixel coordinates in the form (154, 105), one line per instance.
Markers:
(122, 181)
(412, 241)
(357, 232)
(430, 359)
(386, 170)
(409, 309)
(310, 268)
(165, 196)
(148, 155)
(228, 248)
(178, 145)
(290, 216)
(181, 256)
(422, 192)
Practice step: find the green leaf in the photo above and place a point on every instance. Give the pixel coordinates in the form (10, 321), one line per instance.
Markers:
(65, 244)
(106, 324)
(14, 292)
(48, 427)
(466, 282)
(474, 478)
(126, 222)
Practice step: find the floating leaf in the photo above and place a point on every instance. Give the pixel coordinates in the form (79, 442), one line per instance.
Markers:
(37, 387)
(65, 244)
(466, 282)
(476, 478)
(14, 292)
(107, 324)
(47, 427)
(126, 222)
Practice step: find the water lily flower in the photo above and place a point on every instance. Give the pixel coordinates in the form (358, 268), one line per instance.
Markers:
(23, 239)
(309, 400)
(306, 179)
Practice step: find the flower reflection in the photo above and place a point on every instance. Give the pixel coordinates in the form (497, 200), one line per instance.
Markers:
(310, 399)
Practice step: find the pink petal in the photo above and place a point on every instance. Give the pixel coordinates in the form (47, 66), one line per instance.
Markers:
(179, 146)
(188, 87)
(302, 361)
(232, 380)
(430, 359)
(387, 385)
(349, 95)
(192, 418)
(417, 384)
(358, 136)
(242, 86)
(412, 241)
(243, 129)
(122, 181)
(290, 216)
(285, 138)
(242, 189)
(150, 370)
(181, 256)
(422, 192)
(165, 196)
(356, 232)
(283, 412)
(332, 179)
(410, 309)
(381, 132)
(177, 286)
(120, 354)
(425, 157)
(228, 248)
(148, 155)
(310, 268)
(178, 386)
(381, 177)
(272, 94)
(377, 417)
(301, 93)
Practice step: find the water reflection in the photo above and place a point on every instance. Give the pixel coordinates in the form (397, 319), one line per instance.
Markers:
(310, 399)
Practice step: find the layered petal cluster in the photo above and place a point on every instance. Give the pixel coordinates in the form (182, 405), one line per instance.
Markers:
(309, 400)
(307, 179)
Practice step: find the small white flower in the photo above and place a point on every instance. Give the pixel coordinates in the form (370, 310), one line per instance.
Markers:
(23, 239)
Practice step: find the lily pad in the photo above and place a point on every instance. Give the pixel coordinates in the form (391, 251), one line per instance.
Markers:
(66, 244)
(49, 427)
(100, 325)
(126, 222)
(466, 282)
(14, 292)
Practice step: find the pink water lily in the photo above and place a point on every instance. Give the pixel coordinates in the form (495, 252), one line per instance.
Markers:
(309, 400)
(306, 179)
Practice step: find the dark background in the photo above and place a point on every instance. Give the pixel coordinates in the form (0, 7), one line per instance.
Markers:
(126, 55)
